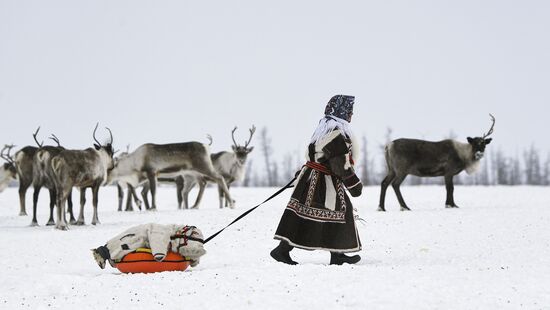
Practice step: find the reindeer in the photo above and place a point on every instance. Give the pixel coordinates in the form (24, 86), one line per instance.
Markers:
(150, 161)
(23, 165)
(131, 189)
(8, 172)
(231, 166)
(82, 169)
(43, 177)
(431, 159)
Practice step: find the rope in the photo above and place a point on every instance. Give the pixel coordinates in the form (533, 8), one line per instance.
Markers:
(250, 210)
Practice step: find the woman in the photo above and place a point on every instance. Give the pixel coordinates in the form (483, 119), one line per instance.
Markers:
(319, 215)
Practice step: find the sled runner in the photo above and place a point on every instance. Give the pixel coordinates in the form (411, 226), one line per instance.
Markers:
(142, 261)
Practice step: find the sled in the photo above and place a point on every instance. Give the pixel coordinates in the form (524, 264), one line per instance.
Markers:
(142, 261)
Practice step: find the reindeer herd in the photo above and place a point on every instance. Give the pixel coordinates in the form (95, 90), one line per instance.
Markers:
(60, 170)
(190, 164)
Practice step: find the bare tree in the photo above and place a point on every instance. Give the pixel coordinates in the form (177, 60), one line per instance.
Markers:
(265, 145)
(299, 158)
(382, 147)
(289, 168)
(365, 163)
(255, 180)
(502, 169)
(546, 173)
(532, 166)
(275, 175)
(247, 175)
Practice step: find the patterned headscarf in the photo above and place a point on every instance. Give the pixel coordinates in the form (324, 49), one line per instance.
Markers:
(340, 106)
(337, 114)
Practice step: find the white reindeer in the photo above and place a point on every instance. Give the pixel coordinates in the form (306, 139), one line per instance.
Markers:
(152, 161)
(230, 165)
(8, 172)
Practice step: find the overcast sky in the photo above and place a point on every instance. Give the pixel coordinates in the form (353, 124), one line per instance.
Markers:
(173, 71)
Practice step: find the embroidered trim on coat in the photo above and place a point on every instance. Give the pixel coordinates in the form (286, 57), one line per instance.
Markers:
(317, 214)
(312, 186)
(341, 194)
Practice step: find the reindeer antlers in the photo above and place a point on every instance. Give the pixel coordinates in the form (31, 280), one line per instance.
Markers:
(233, 136)
(252, 131)
(53, 137)
(95, 129)
(36, 140)
(56, 140)
(490, 132)
(110, 133)
(7, 157)
(209, 137)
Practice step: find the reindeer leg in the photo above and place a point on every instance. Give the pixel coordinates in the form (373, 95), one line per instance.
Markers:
(153, 186)
(144, 192)
(225, 197)
(396, 187)
(188, 185)
(53, 200)
(120, 192)
(61, 224)
(129, 204)
(65, 212)
(202, 186)
(35, 195)
(72, 220)
(95, 192)
(58, 211)
(384, 187)
(132, 191)
(22, 193)
(222, 187)
(450, 203)
(186, 200)
(82, 203)
(179, 192)
(220, 195)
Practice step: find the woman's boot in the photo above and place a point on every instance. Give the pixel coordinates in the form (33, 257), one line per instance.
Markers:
(282, 253)
(341, 258)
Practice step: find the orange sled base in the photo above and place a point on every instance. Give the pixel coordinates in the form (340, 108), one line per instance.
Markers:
(142, 261)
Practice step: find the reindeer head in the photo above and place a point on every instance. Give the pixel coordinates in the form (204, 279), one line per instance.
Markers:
(121, 155)
(479, 143)
(242, 151)
(9, 166)
(107, 149)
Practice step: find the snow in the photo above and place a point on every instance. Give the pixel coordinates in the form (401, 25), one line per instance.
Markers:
(492, 253)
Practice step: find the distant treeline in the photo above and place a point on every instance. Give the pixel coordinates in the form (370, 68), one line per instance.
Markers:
(529, 167)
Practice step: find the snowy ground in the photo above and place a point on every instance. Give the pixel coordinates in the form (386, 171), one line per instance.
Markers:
(493, 253)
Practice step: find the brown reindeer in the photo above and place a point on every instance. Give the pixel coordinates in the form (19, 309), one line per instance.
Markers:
(43, 177)
(83, 169)
(446, 158)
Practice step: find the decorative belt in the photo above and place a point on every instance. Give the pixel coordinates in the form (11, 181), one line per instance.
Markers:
(319, 167)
